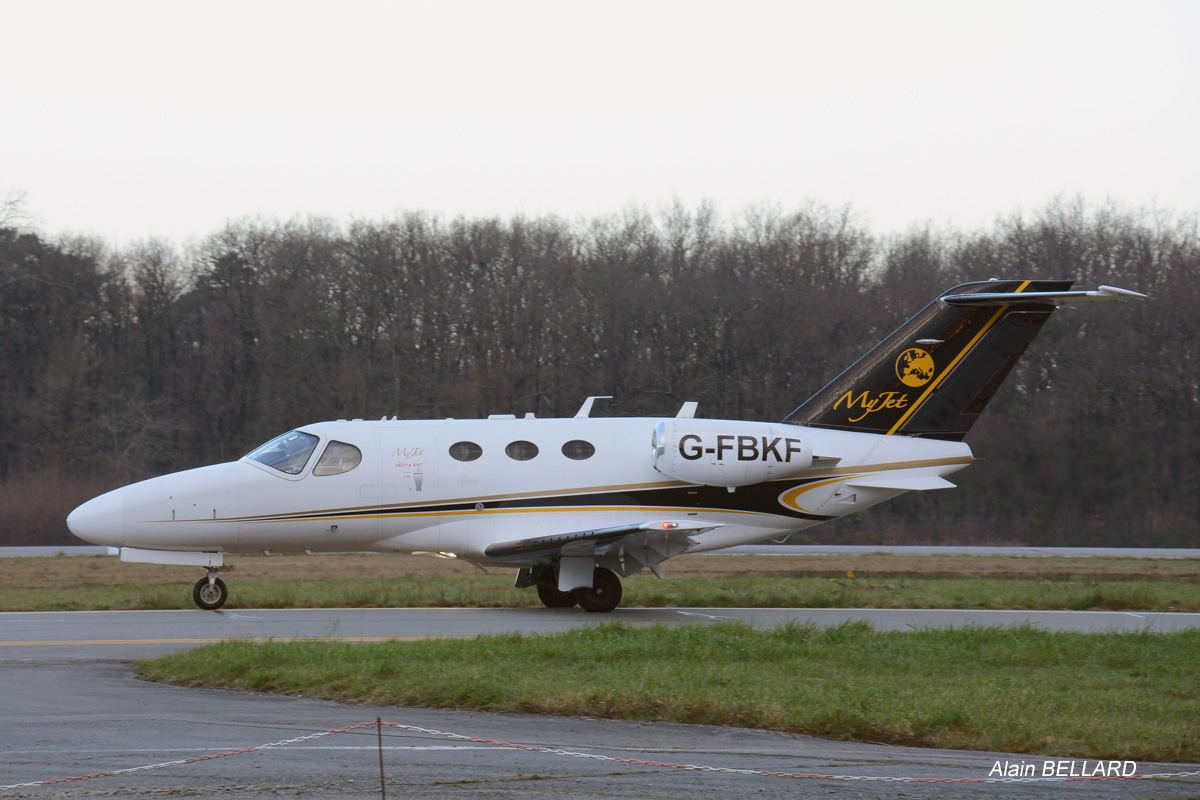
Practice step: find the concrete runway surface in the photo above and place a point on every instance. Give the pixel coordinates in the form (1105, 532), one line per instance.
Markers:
(71, 706)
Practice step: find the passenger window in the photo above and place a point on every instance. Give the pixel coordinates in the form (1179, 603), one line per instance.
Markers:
(465, 451)
(338, 457)
(578, 449)
(288, 453)
(521, 450)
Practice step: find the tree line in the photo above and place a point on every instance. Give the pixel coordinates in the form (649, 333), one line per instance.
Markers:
(123, 363)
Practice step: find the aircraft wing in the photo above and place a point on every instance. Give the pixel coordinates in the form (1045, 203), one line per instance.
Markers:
(664, 538)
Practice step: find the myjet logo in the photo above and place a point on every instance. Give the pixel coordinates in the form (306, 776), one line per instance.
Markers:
(869, 403)
(914, 368)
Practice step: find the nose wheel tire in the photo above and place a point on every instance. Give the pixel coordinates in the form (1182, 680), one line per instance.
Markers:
(210, 596)
(553, 598)
(603, 595)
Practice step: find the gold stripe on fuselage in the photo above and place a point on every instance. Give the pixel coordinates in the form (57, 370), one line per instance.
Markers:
(495, 498)
(788, 498)
(537, 510)
(343, 514)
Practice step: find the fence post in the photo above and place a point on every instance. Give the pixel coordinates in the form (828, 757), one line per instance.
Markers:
(382, 784)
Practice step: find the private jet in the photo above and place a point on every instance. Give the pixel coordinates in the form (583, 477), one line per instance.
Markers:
(575, 504)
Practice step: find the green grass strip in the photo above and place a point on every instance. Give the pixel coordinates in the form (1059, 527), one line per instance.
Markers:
(740, 592)
(1111, 695)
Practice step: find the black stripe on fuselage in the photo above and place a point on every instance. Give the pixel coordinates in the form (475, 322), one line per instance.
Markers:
(759, 498)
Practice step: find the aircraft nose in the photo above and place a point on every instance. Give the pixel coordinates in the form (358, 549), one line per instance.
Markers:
(99, 520)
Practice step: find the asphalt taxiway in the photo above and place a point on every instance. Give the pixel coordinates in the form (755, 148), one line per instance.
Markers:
(72, 635)
(72, 706)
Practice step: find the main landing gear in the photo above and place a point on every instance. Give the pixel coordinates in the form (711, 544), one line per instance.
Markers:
(551, 597)
(601, 597)
(210, 593)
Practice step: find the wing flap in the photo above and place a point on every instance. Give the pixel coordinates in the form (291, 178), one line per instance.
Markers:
(586, 542)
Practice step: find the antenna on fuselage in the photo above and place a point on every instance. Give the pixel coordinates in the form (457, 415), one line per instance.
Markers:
(585, 410)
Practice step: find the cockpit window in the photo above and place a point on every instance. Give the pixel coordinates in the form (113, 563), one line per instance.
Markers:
(338, 457)
(288, 453)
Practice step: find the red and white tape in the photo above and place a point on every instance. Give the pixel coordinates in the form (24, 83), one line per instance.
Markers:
(193, 760)
(596, 757)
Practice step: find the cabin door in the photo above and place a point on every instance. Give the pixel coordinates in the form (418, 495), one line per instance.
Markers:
(409, 464)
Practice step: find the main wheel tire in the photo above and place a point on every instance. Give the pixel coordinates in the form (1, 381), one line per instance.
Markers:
(210, 596)
(603, 595)
(551, 597)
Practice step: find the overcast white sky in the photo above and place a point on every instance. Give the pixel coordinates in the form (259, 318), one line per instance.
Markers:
(131, 119)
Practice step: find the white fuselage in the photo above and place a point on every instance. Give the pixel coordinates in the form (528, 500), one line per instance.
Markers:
(408, 494)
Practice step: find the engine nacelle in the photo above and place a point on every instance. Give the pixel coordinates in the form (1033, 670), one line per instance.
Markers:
(717, 452)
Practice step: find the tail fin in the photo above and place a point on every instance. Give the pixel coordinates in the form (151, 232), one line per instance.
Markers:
(935, 374)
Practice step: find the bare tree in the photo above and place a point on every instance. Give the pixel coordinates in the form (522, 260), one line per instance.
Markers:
(128, 363)
(12, 208)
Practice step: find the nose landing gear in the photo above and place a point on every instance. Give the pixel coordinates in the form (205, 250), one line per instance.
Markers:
(210, 593)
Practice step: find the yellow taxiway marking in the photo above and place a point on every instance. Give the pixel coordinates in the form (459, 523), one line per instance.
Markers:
(256, 639)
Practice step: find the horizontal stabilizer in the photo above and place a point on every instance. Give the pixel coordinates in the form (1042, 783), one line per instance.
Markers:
(921, 483)
(1103, 294)
(540, 545)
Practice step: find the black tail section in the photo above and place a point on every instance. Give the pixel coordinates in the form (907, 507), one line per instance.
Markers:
(936, 373)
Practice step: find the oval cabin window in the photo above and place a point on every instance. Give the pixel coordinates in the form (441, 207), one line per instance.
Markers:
(521, 450)
(465, 451)
(578, 449)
